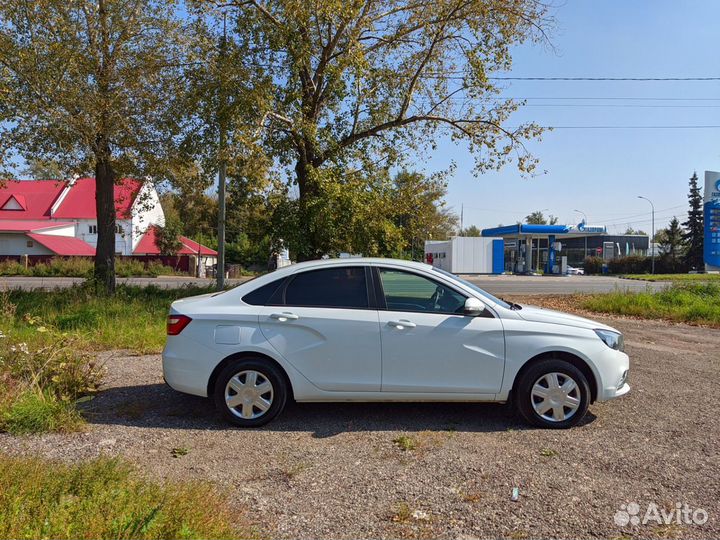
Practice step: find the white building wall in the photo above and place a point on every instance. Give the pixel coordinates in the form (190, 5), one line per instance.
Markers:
(123, 241)
(17, 244)
(441, 251)
(462, 254)
(146, 211)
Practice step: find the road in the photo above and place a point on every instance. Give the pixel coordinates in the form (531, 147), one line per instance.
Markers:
(498, 285)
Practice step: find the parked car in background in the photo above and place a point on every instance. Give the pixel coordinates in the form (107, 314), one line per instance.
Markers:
(386, 330)
(572, 271)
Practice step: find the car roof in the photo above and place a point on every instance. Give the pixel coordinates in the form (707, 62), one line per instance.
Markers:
(329, 263)
(341, 261)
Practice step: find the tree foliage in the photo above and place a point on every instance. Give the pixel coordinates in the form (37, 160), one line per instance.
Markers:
(167, 237)
(694, 227)
(358, 85)
(84, 84)
(538, 218)
(472, 230)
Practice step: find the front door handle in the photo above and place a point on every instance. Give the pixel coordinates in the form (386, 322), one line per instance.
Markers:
(402, 324)
(285, 316)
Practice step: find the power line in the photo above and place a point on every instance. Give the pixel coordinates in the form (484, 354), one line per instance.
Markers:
(590, 98)
(640, 79)
(633, 127)
(454, 74)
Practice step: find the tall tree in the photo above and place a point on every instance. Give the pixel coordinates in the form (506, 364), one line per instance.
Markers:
(363, 82)
(538, 218)
(419, 210)
(85, 84)
(694, 227)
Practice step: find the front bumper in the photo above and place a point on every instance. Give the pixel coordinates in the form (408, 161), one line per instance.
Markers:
(614, 372)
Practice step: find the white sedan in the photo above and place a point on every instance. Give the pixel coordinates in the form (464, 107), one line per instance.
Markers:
(385, 330)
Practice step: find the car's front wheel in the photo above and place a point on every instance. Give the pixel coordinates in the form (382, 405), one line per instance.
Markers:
(553, 393)
(250, 392)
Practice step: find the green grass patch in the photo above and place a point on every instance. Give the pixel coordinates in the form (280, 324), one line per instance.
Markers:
(105, 498)
(35, 411)
(132, 319)
(683, 278)
(697, 303)
(83, 267)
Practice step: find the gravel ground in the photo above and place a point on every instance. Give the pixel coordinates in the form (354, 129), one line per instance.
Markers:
(339, 470)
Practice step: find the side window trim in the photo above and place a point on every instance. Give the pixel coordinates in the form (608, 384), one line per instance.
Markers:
(281, 292)
(380, 292)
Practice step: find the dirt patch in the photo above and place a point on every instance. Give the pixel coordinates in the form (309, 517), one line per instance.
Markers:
(434, 470)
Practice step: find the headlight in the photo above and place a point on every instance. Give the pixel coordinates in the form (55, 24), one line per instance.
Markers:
(614, 340)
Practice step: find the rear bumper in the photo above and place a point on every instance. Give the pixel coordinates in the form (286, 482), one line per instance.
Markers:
(183, 375)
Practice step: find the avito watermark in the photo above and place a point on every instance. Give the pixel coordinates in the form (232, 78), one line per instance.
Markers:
(681, 514)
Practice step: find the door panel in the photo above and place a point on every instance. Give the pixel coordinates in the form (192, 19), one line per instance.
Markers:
(335, 349)
(441, 353)
(428, 345)
(325, 327)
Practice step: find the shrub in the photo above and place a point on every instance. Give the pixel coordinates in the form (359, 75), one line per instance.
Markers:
(13, 268)
(593, 265)
(129, 267)
(632, 264)
(83, 267)
(41, 383)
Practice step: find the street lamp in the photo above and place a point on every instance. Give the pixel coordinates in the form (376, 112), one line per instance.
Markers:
(652, 238)
(585, 235)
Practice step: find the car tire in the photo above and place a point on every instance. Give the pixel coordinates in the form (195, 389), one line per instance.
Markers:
(256, 386)
(553, 394)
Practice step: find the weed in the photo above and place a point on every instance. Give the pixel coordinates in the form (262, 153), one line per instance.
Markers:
(402, 513)
(405, 443)
(548, 452)
(179, 452)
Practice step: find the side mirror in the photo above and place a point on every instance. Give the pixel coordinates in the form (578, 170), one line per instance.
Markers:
(473, 307)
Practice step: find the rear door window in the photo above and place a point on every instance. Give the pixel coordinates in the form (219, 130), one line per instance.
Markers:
(343, 287)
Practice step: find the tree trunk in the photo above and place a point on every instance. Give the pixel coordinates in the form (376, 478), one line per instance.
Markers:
(105, 209)
(307, 249)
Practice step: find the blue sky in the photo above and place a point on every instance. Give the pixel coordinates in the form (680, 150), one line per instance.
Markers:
(601, 172)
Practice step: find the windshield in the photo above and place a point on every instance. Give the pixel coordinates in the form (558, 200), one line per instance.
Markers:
(475, 288)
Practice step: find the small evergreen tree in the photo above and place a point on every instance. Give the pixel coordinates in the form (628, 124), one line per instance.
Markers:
(694, 227)
(671, 240)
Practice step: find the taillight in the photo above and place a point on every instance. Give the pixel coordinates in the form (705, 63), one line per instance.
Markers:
(176, 324)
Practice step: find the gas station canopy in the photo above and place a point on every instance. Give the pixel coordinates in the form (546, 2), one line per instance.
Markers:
(521, 229)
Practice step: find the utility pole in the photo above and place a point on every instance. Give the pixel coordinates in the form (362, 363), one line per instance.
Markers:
(222, 165)
(462, 212)
(584, 234)
(652, 238)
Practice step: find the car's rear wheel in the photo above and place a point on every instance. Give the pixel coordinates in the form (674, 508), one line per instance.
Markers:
(553, 393)
(250, 392)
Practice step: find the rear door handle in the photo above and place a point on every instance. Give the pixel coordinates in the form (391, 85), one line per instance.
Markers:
(286, 316)
(401, 324)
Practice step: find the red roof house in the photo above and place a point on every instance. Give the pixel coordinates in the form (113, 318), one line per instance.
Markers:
(29, 200)
(42, 217)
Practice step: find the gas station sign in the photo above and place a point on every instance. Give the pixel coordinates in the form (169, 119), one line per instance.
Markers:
(711, 213)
